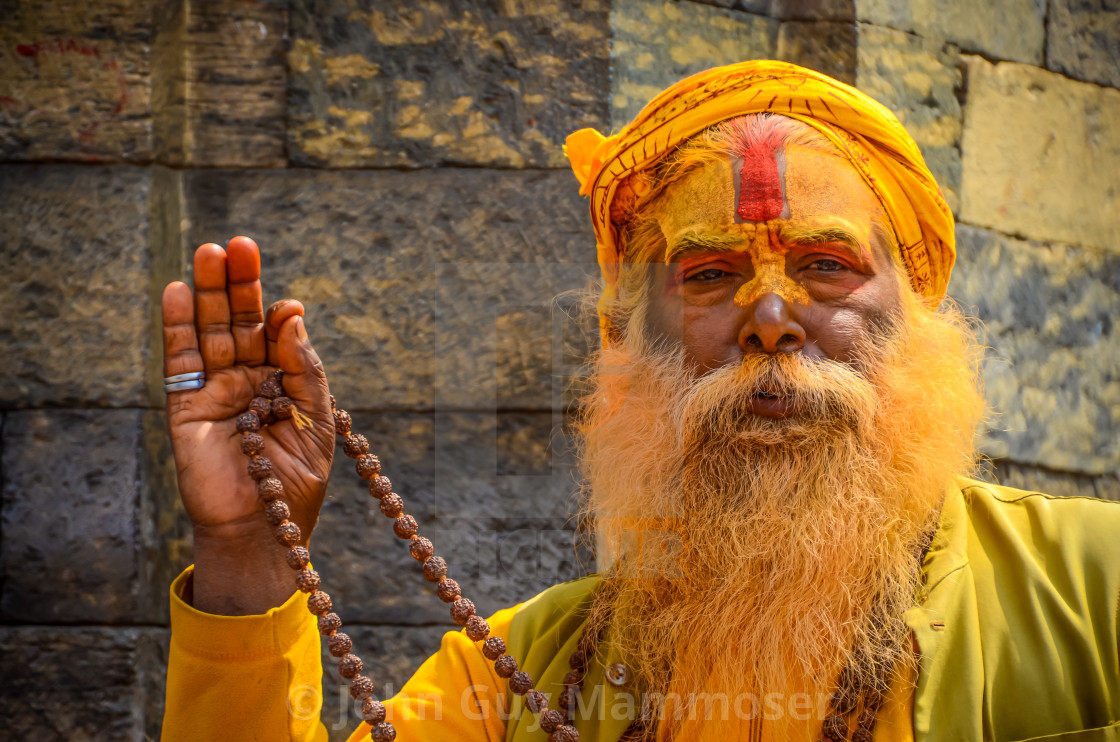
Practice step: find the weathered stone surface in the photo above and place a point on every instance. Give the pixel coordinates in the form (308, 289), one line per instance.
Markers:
(76, 82)
(69, 516)
(82, 683)
(380, 83)
(220, 84)
(494, 493)
(824, 46)
(1083, 40)
(387, 264)
(918, 80)
(1053, 374)
(1003, 29)
(759, 7)
(390, 655)
(1043, 177)
(814, 10)
(1062, 484)
(75, 284)
(657, 43)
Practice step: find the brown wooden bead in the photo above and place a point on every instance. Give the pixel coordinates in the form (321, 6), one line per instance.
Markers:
(270, 389)
(461, 610)
(392, 505)
(520, 682)
(577, 660)
(435, 569)
(248, 422)
(573, 677)
(405, 526)
(269, 489)
(361, 688)
(342, 422)
(383, 732)
(282, 407)
(318, 602)
(368, 466)
(373, 710)
(308, 580)
(493, 648)
(551, 720)
(567, 698)
(536, 701)
(355, 445)
(421, 548)
(505, 666)
(329, 623)
(252, 443)
(277, 512)
(298, 557)
(339, 645)
(380, 487)
(863, 734)
(262, 408)
(477, 628)
(566, 733)
(349, 666)
(448, 590)
(260, 467)
(288, 533)
(835, 728)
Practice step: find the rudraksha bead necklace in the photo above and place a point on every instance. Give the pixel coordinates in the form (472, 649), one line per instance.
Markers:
(269, 405)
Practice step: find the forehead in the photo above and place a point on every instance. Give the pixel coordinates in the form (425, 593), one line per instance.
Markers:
(816, 189)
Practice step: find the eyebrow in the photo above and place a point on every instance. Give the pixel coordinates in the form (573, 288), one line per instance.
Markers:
(702, 242)
(805, 236)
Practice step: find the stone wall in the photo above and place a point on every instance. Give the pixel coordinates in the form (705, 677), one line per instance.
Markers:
(400, 164)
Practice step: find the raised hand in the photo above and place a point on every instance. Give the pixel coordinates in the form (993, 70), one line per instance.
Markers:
(222, 330)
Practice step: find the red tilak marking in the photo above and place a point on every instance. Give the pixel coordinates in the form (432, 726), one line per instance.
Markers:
(760, 186)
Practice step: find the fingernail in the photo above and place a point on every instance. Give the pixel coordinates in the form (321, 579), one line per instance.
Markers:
(301, 331)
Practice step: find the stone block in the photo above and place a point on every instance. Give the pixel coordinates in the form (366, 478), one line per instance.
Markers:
(390, 654)
(824, 46)
(1038, 155)
(758, 7)
(1083, 40)
(1052, 374)
(1061, 484)
(918, 79)
(814, 10)
(221, 83)
(75, 282)
(410, 278)
(657, 43)
(378, 83)
(77, 81)
(87, 683)
(495, 493)
(1000, 29)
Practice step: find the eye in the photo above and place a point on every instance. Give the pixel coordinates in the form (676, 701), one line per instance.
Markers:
(706, 275)
(827, 265)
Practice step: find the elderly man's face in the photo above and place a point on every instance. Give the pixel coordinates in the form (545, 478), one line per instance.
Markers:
(776, 255)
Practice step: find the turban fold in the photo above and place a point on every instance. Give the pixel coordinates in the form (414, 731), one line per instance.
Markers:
(862, 129)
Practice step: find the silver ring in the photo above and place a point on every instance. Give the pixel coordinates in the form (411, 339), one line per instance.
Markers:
(182, 386)
(192, 376)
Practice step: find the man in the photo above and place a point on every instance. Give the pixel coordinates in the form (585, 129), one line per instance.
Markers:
(774, 451)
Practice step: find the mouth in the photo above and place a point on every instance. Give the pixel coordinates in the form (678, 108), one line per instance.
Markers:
(767, 404)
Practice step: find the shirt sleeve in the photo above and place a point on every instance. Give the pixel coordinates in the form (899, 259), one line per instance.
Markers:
(260, 678)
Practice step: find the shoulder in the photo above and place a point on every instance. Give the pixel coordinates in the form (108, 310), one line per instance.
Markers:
(1024, 508)
(554, 613)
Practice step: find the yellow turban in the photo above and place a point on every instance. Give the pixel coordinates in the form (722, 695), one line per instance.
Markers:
(866, 132)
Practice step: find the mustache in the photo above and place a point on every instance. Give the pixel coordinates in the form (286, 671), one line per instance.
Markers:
(821, 390)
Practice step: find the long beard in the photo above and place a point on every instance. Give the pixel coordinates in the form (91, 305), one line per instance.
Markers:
(752, 555)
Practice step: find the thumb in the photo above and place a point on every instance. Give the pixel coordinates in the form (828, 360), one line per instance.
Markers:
(304, 378)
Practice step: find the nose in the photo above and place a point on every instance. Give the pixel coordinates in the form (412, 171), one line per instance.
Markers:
(769, 327)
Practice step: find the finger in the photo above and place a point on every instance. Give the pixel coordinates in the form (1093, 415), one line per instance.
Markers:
(278, 314)
(304, 379)
(180, 343)
(211, 308)
(243, 276)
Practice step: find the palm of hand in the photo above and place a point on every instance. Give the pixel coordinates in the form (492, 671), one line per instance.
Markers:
(222, 329)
